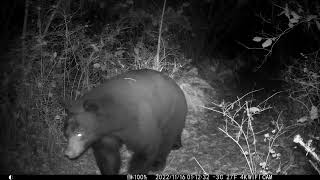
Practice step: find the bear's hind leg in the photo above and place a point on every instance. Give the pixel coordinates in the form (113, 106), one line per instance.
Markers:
(165, 148)
(107, 155)
(160, 162)
(177, 144)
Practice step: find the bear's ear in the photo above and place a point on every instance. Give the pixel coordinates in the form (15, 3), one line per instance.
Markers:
(90, 105)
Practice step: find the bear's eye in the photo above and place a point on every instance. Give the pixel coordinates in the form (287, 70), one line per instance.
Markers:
(79, 132)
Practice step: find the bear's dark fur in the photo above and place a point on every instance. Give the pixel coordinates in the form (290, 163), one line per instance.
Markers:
(143, 109)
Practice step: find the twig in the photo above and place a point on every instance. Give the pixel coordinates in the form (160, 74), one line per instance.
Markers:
(156, 59)
(24, 30)
(51, 18)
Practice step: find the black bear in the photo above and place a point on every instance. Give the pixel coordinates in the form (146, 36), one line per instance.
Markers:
(143, 109)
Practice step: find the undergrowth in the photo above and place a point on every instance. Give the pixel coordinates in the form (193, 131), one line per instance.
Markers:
(63, 62)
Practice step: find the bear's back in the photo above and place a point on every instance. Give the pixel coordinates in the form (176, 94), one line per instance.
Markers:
(141, 101)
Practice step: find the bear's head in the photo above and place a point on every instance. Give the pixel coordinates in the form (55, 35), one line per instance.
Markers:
(81, 128)
(91, 119)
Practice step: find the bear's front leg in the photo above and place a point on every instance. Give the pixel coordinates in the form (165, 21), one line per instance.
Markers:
(107, 155)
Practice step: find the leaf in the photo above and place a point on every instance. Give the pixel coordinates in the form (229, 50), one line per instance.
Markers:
(302, 119)
(297, 139)
(318, 25)
(314, 113)
(254, 110)
(119, 53)
(271, 150)
(95, 48)
(96, 65)
(293, 20)
(57, 117)
(136, 50)
(267, 43)
(257, 39)
(285, 11)
(263, 164)
(290, 25)
(104, 67)
(295, 16)
(39, 85)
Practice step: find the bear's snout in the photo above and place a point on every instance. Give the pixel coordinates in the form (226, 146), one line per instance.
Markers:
(69, 154)
(75, 147)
